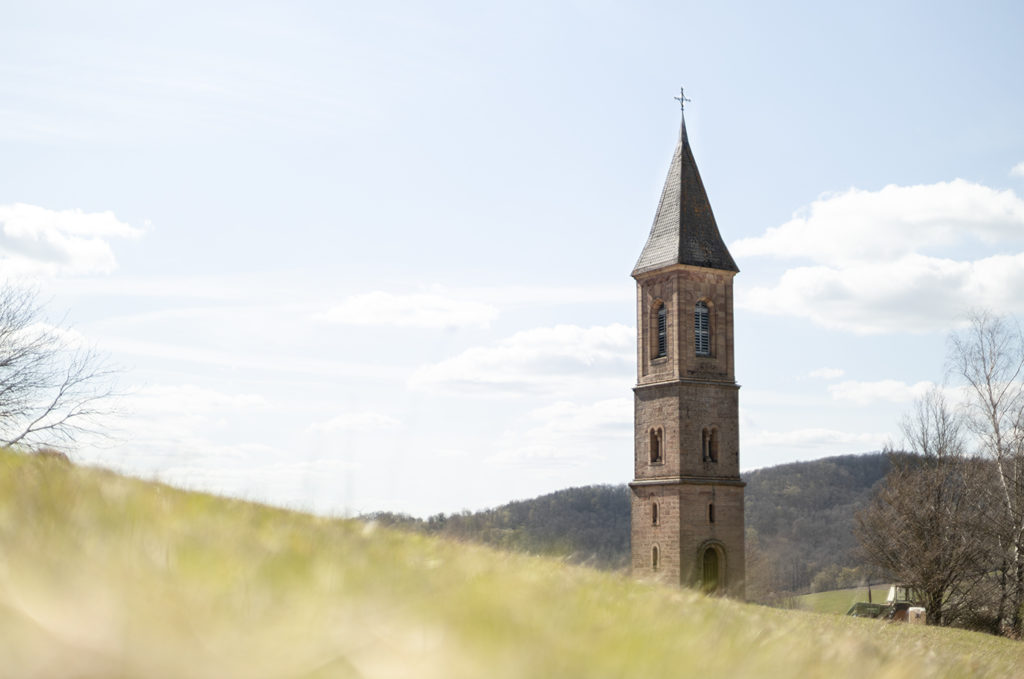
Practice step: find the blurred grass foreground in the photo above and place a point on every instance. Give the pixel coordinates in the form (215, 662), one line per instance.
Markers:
(105, 576)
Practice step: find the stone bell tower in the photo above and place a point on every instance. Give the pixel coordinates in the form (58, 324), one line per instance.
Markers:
(687, 495)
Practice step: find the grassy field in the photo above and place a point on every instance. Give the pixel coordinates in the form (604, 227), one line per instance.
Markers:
(102, 576)
(839, 601)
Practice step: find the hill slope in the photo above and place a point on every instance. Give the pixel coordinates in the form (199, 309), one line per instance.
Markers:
(587, 525)
(104, 576)
(799, 516)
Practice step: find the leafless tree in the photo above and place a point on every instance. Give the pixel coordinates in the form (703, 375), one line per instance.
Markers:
(922, 526)
(989, 357)
(769, 576)
(51, 389)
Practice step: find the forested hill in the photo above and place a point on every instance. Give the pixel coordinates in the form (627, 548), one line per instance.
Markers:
(585, 525)
(799, 519)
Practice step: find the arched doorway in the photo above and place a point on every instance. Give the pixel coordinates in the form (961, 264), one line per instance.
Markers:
(711, 578)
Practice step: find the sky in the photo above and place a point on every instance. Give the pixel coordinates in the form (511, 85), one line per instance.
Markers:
(353, 257)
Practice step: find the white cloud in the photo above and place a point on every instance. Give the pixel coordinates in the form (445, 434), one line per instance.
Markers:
(867, 393)
(827, 373)
(271, 362)
(547, 295)
(863, 225)
(159, 426)
(38, 241)
(361, 422)
(188, 399)
(912, 294)
(180, 417)
(540, 359)
(883, 258)
(592, 419)
(542, 455)
(423, 310)
(569, 434)
(813, 438)
(223, 287)
(1018, 170)
(66, 338)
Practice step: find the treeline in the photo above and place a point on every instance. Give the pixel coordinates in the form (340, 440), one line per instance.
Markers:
(950, 519)
(587, 525)
(947, 517)
(799, 521)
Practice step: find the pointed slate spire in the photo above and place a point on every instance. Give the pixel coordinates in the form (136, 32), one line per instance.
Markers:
(684, 229)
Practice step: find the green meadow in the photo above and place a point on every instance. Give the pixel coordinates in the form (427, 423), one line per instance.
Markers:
(105, 576)
(840, 600)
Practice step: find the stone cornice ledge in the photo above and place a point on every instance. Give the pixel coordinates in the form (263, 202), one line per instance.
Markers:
(669, 383)
(689, 480)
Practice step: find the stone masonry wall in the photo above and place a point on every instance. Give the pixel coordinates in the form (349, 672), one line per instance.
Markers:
(682, 410)
(684, 530)
(681, 395)
(680, 288)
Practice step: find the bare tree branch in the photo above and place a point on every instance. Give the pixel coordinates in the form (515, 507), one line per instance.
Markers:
(989, 359)
(922, 525)
(51, 389)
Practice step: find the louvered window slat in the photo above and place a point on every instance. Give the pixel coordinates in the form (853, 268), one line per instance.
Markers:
(662, 331)
(701, 330)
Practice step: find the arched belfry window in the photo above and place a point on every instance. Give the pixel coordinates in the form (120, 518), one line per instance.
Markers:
(661, 347)
(701, 329)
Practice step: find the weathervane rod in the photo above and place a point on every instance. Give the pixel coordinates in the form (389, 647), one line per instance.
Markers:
(681, 99)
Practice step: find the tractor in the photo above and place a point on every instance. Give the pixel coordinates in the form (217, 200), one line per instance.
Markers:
(904, 604)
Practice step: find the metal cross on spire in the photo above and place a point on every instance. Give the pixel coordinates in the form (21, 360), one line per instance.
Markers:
(681, 99)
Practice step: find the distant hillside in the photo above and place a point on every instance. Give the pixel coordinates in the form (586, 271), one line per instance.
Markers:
(104, 576)
(799, 517)
(583, 525)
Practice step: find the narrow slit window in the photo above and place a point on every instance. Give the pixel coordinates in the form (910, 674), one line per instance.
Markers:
(711, 512)
(662, 331)
(655, 446)
(654, 557)
(654, 513)
(713, 445)
(701, 329)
